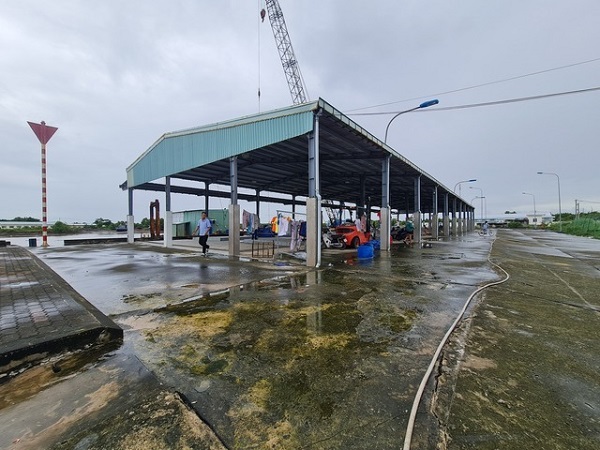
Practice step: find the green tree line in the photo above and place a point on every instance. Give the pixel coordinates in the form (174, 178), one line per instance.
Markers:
(60, 227)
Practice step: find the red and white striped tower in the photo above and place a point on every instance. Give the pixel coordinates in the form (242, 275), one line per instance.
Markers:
(43, 133)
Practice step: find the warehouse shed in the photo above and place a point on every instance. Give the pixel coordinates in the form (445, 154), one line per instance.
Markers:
(311, 153)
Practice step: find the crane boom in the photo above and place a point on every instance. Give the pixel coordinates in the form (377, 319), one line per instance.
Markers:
(286, 52)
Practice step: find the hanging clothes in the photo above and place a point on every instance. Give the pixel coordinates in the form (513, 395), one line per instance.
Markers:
(295, 230)
(358, 224)
(302, 231)
(284, 226)
(246, 221)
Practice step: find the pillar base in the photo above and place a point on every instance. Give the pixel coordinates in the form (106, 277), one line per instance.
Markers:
(130, 230)
(385, 228)
(168, 231)
(234, 230)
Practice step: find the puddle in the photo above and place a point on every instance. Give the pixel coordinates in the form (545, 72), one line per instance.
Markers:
(53, 370)
(281, 355)
(318, 359)
(443, 256)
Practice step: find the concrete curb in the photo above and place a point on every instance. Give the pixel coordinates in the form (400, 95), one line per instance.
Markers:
(42, 315)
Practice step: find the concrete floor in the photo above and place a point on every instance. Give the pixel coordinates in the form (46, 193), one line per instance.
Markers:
(270, 355)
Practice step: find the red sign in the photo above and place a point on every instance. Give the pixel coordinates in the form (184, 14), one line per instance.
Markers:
(42, 131)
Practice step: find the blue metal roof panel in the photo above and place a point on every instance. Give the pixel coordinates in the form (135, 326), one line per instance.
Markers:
(183, 150)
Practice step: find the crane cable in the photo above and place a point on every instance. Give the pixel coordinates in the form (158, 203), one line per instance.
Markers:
(258, 33)
(434, 359)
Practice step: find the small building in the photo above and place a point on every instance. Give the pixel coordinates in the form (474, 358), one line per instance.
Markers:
(184, 222)
(539, 219)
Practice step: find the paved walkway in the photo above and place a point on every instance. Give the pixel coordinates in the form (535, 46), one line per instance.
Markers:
(40, 314)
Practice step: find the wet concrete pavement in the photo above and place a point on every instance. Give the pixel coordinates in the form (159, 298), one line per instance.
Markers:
(269, 356)
(524, 371)
(41, 315)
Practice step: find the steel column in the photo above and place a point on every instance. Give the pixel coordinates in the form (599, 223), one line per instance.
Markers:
(434, 220)
(417, 212)
(234, 209)
(313, 203)
(168, 231)
(384, 214)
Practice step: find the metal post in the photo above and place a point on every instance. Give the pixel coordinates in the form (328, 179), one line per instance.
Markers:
(534, 208)
(168, 231)
(233, 179)
(446, 217)
(44, 200)
(43, 133)
(435, 215)
(234, 210)
(559, 204)
(206, 196)
(258, 203)
(313, 203)
(385, 205)
(417, 213)
(454, 217)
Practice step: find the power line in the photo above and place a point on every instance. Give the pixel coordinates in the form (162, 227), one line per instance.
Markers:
(480, 85)
(477, 105)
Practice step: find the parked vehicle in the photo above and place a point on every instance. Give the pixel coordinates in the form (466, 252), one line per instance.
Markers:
(398, 233)
(347, 236)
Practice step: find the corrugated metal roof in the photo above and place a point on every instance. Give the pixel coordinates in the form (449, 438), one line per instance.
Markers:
(186, 149)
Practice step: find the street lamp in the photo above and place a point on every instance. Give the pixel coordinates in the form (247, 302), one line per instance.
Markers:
(481, 197)
(534, 211)
(461, 182)
(472, 200)
(421, 106)
(559, 206)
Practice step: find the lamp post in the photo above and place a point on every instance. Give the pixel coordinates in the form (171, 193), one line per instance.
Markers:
(559, 205)
(461, 182)
(534, 211)
(481, 197)
(417, 206)
(421, 106)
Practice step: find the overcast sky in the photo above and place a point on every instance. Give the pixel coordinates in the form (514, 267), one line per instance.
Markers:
(115, 75)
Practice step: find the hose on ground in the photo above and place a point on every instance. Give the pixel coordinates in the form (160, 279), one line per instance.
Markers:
(432, 364)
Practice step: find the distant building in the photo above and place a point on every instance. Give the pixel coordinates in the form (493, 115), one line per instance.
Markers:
(526, 219)
(539, 219)
(12, 224)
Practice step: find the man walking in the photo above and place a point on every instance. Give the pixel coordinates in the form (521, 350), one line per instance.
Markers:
(203, 229)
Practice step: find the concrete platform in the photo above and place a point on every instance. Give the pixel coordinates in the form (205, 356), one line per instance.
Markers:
(41, 315)
(341, 349)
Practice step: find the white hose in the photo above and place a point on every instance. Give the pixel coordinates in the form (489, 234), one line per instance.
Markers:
(419, 394)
